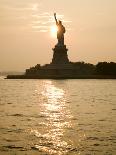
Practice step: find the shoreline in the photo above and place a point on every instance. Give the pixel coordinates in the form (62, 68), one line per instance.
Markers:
(61, 77)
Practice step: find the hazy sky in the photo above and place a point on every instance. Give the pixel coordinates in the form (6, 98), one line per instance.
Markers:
(25, 36)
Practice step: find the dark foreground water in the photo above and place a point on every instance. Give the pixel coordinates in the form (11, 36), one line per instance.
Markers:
(57, 117)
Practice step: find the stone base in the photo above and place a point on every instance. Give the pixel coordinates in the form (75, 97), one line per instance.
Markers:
(60, 55)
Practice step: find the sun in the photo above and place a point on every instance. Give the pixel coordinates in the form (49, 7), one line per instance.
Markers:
(54, 30)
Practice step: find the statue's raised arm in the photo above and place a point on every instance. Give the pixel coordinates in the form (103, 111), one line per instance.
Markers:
(55, 17)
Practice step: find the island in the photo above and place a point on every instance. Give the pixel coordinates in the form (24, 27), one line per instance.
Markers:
(62, 68)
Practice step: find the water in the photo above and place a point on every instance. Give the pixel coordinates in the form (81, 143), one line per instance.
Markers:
(57, 117)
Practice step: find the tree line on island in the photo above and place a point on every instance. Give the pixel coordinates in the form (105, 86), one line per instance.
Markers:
(82, 68)
(101, 68)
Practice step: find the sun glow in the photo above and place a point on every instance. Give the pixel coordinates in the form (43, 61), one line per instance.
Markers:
(54, 30)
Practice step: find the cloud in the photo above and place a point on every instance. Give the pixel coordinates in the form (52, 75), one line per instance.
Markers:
(17, 14)
(39, 26)
(67, 21)
(20, 5)
(45, 20)
(28, 14)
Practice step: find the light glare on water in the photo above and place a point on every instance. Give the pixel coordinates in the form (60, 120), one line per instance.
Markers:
(58, 119)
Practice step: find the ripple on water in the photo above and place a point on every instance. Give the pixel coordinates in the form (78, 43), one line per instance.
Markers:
(64, 117)
(17, 115)
(10, 140)
(9, 103)
(113, 109)
(13, 130)
(13, 147)
(48, 143)
(54, 150)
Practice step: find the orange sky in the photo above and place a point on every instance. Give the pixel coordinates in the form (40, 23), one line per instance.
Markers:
(25, 37)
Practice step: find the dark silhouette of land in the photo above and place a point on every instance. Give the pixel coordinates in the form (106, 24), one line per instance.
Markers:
(62, 68)
(79, 70)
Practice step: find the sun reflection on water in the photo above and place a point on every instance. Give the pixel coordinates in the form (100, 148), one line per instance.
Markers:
(56, 120)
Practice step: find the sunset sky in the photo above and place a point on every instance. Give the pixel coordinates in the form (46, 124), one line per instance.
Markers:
(26, 38)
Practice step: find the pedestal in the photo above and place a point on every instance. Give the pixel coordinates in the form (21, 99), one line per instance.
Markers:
(60, 55)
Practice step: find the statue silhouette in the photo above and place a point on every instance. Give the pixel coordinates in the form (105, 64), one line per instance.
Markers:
(60, 31)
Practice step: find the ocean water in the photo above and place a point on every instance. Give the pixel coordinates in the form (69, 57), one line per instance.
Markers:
(57, 117)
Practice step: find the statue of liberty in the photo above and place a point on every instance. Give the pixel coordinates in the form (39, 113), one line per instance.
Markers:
(60, 31)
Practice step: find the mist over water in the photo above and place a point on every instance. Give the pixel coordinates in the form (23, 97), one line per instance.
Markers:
(57, 117)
